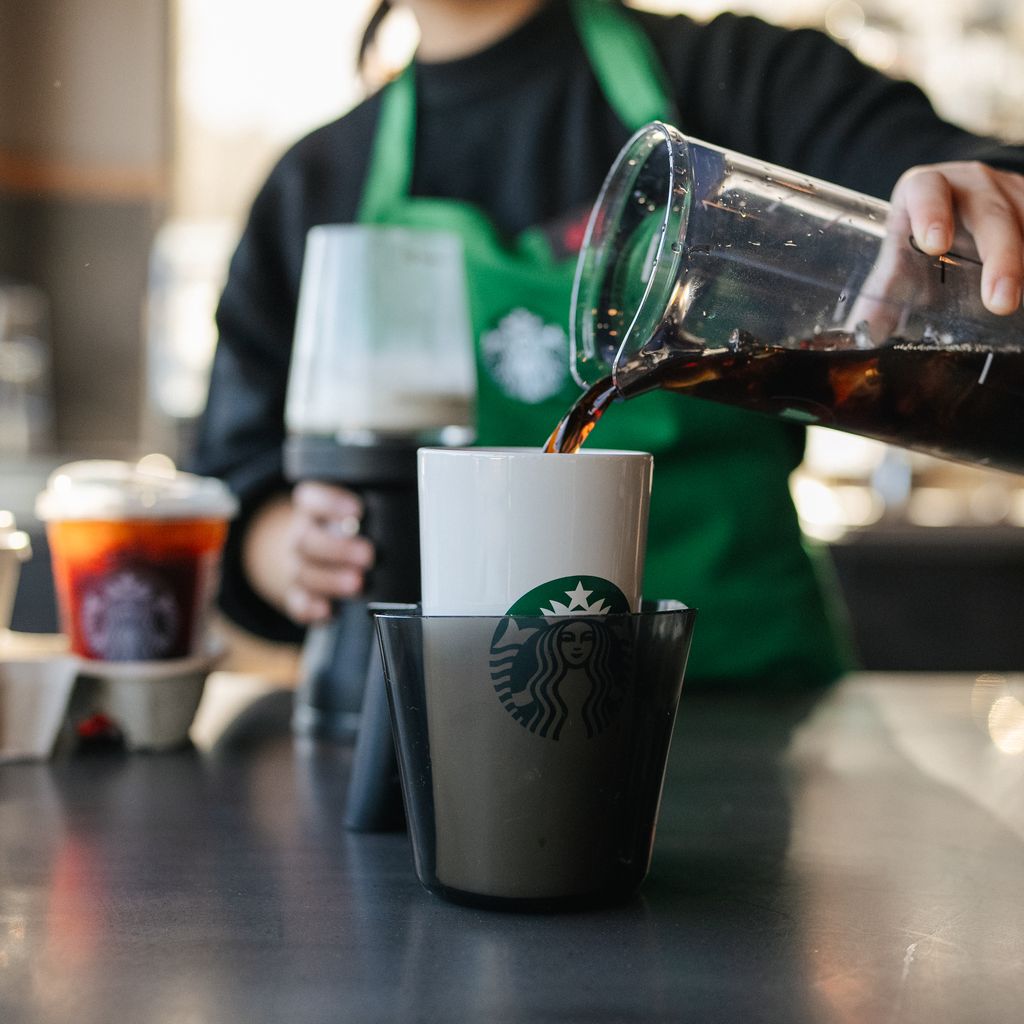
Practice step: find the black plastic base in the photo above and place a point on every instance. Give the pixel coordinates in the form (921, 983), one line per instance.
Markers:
(341, 693)
(388, 464)
(317, 724)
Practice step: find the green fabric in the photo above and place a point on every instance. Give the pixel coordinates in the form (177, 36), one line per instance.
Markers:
(624, 62)
(723, 535)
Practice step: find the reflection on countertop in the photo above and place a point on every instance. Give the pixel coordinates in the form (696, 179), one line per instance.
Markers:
(847, 856)
(919, 778)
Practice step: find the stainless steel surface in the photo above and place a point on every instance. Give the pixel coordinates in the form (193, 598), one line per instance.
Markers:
(858, 857)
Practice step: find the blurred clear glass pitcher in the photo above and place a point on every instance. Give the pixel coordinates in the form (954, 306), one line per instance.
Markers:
(716, 275)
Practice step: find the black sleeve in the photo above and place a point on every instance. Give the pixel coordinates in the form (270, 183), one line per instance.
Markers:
(800, 100)
(242, 428)
(241, 432)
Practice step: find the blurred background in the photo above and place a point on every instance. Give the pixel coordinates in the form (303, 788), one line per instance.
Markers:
(133, 135)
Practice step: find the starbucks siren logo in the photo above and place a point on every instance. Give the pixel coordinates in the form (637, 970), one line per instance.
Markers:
(129, 615)
(527, 358)
(557, 660)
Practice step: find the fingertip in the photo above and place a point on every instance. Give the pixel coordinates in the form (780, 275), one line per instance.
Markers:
(327, 501)
(362, 553)
(1004, 296)
(346, 503)
(926, 198)
(937, 238)
(346, 526)
(306, 608)
(349, 583)
(348, 506)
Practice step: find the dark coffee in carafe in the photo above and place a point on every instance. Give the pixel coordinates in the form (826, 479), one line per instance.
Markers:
(959, 402)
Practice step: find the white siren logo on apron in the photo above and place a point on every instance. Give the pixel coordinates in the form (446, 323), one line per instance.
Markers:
(557, 661)
(527, 358)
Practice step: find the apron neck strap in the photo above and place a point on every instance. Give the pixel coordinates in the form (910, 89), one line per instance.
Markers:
(620, 54)
(624, 61)
(389, 175)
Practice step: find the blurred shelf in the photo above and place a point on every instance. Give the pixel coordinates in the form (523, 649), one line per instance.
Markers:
(59, 179)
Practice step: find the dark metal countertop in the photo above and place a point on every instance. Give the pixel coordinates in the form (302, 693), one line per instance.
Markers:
(858, 857)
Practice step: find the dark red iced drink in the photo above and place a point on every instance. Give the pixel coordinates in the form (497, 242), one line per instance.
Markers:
(135, 558)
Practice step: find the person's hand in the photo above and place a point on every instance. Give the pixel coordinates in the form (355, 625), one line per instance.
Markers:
(989, 203)
(326, 558)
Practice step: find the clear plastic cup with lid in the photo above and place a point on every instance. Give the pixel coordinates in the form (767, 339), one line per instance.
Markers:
(136, 550)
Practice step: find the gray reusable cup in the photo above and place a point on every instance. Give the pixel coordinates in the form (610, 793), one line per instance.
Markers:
(532, 749)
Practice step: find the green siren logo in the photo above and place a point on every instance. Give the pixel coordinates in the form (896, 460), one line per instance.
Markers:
(557, 660)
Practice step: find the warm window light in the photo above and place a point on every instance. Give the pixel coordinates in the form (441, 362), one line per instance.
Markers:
(827, 512)
(1006, 724)
(844, 19)
(821, 515)
(255, 67)
(259, 67)
(936, 506)
(1015, 513)
(835, 454)
(989, 503)
(998, 711)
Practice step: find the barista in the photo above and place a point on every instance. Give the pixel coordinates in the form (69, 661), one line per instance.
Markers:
(502, 129)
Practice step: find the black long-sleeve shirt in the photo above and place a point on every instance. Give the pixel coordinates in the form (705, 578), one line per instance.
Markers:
(523, 130)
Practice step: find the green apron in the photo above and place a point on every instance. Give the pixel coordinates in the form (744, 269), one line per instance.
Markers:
(723, 535)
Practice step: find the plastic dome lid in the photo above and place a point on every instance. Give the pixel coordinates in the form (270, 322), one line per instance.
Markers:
(149, 489)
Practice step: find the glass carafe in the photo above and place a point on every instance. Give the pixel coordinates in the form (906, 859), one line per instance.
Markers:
(715, 275)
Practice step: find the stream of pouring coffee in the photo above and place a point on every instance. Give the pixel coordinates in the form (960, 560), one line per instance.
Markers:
(576, 425)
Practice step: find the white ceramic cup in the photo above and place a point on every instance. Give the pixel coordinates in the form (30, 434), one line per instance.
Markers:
(507, 533)
(519, 530)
